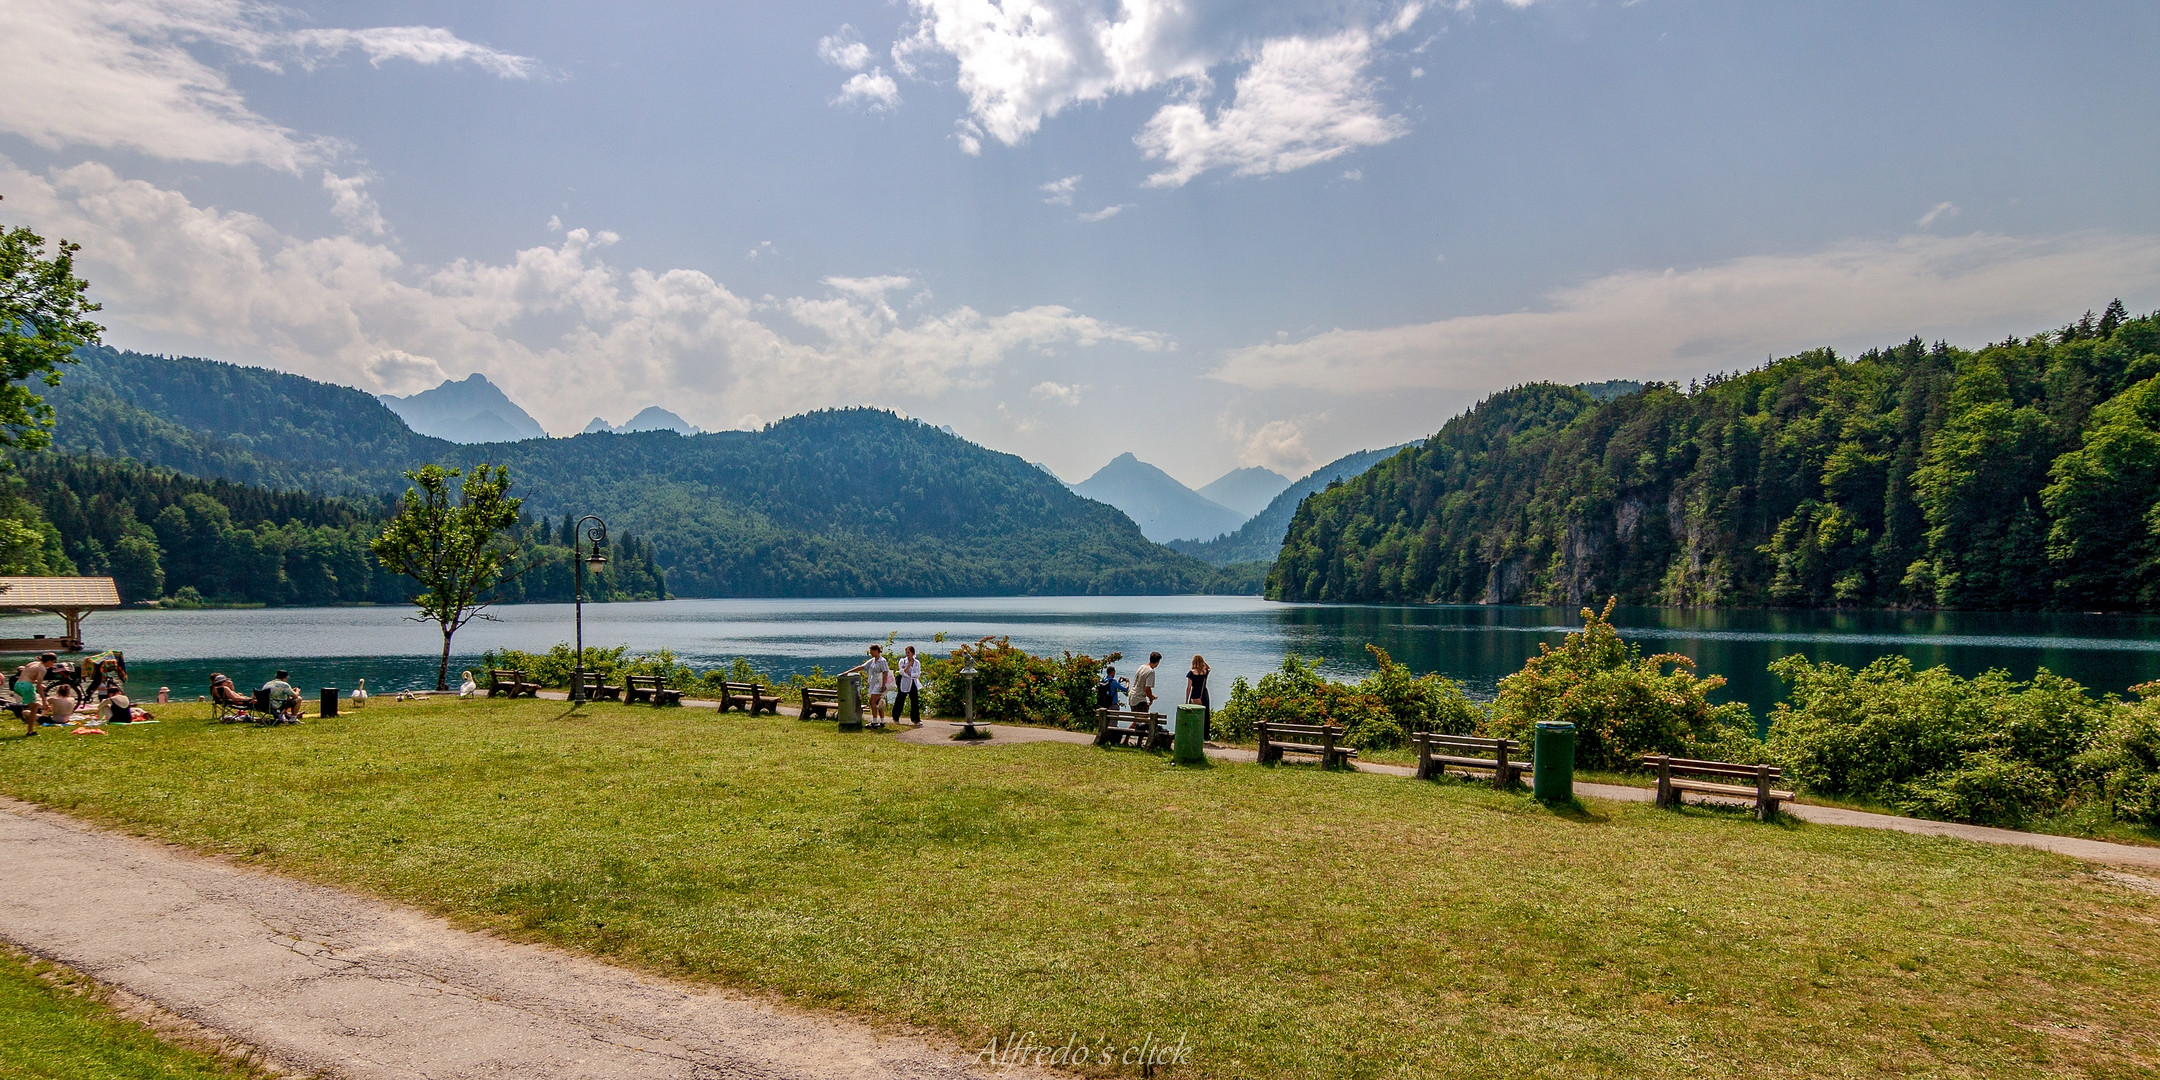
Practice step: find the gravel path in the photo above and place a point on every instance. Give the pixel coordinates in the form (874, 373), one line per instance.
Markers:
(939, 733)
(322, 980)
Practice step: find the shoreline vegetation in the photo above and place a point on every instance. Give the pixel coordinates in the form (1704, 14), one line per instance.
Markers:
(2043, 755)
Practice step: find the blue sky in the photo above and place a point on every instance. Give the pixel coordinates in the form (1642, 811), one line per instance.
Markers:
(1212, 234)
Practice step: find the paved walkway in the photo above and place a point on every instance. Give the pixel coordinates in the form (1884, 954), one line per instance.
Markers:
(939, 733)
(322, 980)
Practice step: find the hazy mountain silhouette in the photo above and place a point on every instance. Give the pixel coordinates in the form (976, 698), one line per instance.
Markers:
(1163, 508)
(1247, 490)
(470, 411)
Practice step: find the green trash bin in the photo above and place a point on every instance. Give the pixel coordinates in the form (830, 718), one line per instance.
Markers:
(1185, 739)
(850, 702)
(1553, 761)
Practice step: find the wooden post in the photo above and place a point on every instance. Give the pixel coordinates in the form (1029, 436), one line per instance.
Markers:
(1764, 808)
(1500, 771)
(1102, 727)
(1327, 745)
(1664, 780)
(1424, 756)
(1261, 728)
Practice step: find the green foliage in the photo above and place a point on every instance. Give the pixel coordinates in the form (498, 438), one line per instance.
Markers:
(852, 502)
(555, 667)
(2024, 475)
(44, 318)
(454, 551)
(1987, 749)
(1379, 712)
(2123, 759)
(1623, 704)
(1015, 687)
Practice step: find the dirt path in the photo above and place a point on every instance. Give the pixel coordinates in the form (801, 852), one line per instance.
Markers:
(939, 733)
(322, 980)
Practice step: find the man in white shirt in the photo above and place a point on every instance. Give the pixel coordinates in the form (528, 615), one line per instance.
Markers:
(910, 672)
(1142, 696)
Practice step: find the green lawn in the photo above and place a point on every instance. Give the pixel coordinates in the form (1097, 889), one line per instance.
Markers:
(56, 1024)
(1284, 922)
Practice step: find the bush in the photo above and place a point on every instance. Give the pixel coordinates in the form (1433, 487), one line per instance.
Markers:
(555, 667)
(1379, 712)
(1988, 749)
(1014, 687)
(1623, 704)
(2122, 764)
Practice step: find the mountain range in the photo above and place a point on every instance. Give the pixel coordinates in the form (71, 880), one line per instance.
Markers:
(651, 418)
(776, 512)
(472, 411)
(1164, 509)
(1259, 538)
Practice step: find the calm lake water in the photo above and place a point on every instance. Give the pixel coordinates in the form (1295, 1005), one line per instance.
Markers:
(1239, 636)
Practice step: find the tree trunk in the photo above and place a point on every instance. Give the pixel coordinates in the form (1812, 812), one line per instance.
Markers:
(442, 670)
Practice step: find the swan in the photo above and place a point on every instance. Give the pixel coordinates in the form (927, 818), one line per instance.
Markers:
(359, 695)
(468, 687)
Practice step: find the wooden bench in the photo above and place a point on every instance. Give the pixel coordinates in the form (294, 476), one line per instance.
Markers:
(510, 682)
(819, 704)
(1436, 752)
(749, 697)
(1146, 729)
(648, 688)
(596, 690)
(1275, 741)
(1678, 775)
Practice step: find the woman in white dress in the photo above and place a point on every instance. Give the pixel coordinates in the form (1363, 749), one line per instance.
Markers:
(877, 678)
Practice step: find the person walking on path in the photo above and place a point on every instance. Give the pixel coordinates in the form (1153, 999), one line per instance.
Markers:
(910, 674)
(1196, 692)
(875, 672)
(1143, 685)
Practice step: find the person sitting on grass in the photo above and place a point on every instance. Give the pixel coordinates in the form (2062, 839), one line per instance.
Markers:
(224, 693)
(60, 704)
(284, 700)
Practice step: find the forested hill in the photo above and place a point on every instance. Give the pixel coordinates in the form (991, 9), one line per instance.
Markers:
(842, 503)
(2024, 475)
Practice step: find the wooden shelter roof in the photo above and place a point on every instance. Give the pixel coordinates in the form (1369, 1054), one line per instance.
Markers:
(52, 593)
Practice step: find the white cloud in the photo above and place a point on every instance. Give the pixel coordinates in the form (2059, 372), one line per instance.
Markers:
(1104, 214)
(1275, 444)
(842, 50)
(1305, 96)
(1940, 211)
(1303, 101)
(396, 371)
(350, 201)
(1061, 393)
(1353, 174)
(177, 276)
(1060, 192)
(130, 74)
(871, 89)
(1674, 324)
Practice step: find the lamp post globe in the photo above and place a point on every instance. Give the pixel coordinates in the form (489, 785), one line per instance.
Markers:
(588, 547)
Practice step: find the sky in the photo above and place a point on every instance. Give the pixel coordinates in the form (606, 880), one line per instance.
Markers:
(1214, 234)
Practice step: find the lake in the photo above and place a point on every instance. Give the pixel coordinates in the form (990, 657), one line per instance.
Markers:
(1238, 635)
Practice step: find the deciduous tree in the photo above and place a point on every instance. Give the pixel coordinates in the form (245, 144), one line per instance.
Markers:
(454, 547)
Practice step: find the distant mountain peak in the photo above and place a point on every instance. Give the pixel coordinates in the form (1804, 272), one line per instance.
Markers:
(468, 410)
(1248, 490)
(651, 418)
(1163, 508)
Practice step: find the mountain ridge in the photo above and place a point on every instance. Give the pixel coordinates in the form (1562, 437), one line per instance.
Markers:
(1163, 508)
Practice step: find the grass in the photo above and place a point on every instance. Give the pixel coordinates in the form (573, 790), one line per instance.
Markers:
(55, 1023)
(1286, 922)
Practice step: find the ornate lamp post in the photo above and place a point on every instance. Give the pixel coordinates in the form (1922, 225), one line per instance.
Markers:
(968, 730)
(593, 540)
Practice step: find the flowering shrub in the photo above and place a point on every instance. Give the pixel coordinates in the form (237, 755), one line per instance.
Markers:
(1013, 686)
(1378, 712)
(1623, 704)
